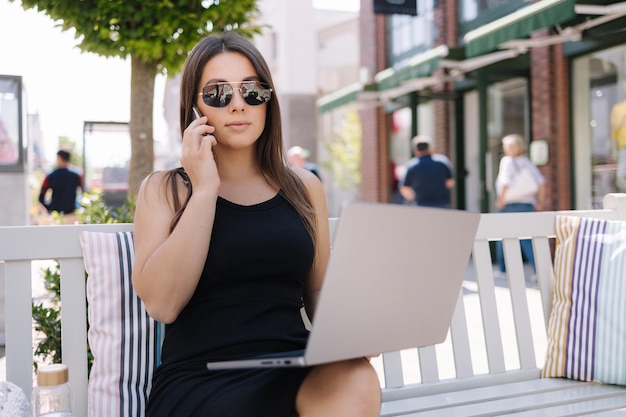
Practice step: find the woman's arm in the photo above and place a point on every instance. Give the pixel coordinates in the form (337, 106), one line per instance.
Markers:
(168, 265)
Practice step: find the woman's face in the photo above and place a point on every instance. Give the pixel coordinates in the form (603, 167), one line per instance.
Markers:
(237, 124)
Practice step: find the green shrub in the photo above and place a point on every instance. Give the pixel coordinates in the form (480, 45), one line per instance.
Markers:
(47, 313)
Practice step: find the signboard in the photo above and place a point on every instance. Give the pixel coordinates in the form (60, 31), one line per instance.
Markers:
(396, 7)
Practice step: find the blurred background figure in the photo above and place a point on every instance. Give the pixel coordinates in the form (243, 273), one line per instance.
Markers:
(512, 164)
(298, 157)
(63, 183)
(429, 177)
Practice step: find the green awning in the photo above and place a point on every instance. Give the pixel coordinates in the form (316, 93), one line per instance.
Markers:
(339, 98)
(421, 65)
(519, 24)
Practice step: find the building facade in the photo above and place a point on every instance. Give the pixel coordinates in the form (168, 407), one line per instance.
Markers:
(469, 72)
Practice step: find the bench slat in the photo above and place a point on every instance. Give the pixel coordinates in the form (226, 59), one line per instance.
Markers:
(74, 327)
(428, 364)
(496, 226)
(42, 242)
(609, 406)
(460, 340)
(519, 302)
(393, 370)
(19, 336)
(521, 397)
(452, 385)
(489, 309)
(543, 262)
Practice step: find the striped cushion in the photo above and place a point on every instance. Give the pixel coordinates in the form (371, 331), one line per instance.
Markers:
(122, 337)
(587, 328)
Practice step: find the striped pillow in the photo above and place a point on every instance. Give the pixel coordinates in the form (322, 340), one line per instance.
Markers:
(122, 337)
(587, 328)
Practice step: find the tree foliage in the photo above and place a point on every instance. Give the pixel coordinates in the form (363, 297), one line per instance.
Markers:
(344, 148)
(157, 31)
(157, 35)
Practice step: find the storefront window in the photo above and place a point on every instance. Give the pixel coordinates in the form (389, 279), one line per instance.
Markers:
(471, 9)
(606, 73)
(507, 113)
(410, 35)
(9, 122)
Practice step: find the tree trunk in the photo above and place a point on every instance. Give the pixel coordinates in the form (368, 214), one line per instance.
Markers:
(141, 134)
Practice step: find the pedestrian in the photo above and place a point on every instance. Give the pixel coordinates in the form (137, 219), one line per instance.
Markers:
(230, 247)
(429, 176)
(63, 182)
(298, 157)
(512, 165)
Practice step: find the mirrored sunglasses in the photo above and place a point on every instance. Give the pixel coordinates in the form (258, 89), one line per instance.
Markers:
(220, 94)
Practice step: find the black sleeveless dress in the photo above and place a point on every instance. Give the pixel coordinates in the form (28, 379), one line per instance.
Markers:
(247, 304)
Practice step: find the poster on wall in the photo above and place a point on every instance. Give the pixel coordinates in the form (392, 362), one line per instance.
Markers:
(396, 7)
(9, 125)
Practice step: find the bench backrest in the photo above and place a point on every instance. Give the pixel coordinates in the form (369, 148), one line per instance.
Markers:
(478, 348)
(19, 246)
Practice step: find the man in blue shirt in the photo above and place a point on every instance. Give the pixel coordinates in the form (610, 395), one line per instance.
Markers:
(429, 176)
(64, 183)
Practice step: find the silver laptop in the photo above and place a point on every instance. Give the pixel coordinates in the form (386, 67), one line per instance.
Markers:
(392, 282)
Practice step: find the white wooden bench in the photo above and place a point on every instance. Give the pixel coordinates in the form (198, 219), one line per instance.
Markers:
(475, 372)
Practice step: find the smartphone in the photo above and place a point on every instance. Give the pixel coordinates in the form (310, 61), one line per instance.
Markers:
(197, 115)
(196, 112)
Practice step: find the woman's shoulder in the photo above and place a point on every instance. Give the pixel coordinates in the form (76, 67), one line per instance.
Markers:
(311, 182)
(307, 177)
(157, 181)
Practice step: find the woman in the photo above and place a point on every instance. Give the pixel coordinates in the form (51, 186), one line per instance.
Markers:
(230, 247)
(511, 164)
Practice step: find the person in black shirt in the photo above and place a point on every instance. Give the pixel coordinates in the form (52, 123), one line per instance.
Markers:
(429, 176)
(63, 182)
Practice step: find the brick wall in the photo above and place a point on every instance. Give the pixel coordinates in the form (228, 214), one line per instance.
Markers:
(374, 154)
(550, 114)
(445, 21)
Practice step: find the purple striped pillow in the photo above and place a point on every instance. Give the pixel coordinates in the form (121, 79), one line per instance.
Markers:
(122, 337)
(587, 328)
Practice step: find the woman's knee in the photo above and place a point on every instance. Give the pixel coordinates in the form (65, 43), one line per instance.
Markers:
(358, 378)
(353, 383)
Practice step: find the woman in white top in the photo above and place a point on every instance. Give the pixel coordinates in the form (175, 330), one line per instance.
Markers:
(511, 164)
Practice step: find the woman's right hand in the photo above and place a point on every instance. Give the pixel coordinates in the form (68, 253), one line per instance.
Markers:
(197, 157)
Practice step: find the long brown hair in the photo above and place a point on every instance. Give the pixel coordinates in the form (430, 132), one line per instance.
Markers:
(270, 155)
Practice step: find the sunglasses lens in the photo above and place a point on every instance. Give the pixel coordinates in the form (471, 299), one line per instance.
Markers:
(214, 95)
(253, 92)
(256, 93)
